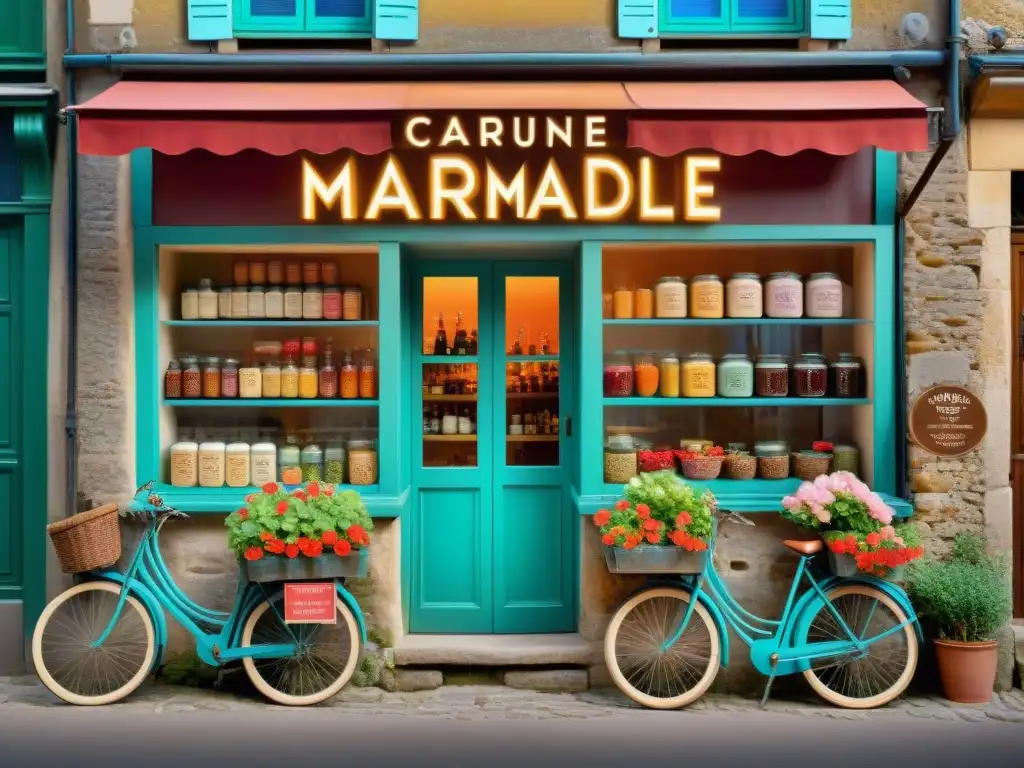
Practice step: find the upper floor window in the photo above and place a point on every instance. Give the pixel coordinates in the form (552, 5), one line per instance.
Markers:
(725, 17)
(302, 18)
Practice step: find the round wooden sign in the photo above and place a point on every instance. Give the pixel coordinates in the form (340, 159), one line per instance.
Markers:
(948, 421)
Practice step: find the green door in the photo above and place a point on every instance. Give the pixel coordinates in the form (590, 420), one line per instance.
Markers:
(10, 428)
(492, 525)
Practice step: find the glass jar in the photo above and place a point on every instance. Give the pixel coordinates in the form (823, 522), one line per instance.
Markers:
(329, 271)
(847, 375)
(328, 374)
(670, 297)
(241, 272)
(450, 422)
(668, 380)
(784, 295)
(190, 304)
(211, 377)
(191, 378)
(332, 302)
(288, 462)
(349, 378)
(772, 459)
(311, 461)
(308, 346)
(229, 378)
(293, 302)
(368, 376)
(250, 382)
(810, 376)
(257, 272)
(644, 303)
(172, 381)
(211, 464)
(352, 303)
(309, 383)
(240, 303)
(313, 303)
(271, 379)
(619, 459)
(207, 300)
(698, 376)
(263, 462)
(618, 377)
(771, 373)
(735, 376)
(823, 295)
(744, 295)
(334, 463)
(290, 379)
(224, 303)
(237, 465)
(311, 272)
(846, 458)
(257, 303)
(362, 462)
(185, 464)
(275, 272)
(293, 273)
(607, 306)
(707, 297)
(645, 376)
(274, 302)
(622, 301)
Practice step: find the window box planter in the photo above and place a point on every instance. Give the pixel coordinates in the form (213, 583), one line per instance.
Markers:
(301, 568)
(845, 566)
(648, 558)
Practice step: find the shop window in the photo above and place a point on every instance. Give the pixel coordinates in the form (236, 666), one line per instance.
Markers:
(732, 16)
(302, 17)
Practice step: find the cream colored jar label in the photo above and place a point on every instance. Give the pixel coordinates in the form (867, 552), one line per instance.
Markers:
(274, 304)
(293, 304)
(238, 470)
(826, 300)
(211, 470)
(785, 300)
(312, 305)
(184, 473)
(239, 304)
(670, 301)
(264, 469)
(250, 383)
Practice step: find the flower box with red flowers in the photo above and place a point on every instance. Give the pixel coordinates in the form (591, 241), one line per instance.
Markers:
(312, 532)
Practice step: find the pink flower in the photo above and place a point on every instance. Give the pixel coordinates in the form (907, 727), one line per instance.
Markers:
(878, 509)
(823, 515)
(899, 541)
(888, 532)
(791, 503)
(860, 490)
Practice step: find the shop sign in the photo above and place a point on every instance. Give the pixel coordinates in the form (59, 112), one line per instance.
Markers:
(539, 168)
(948, 421)
(310, 603)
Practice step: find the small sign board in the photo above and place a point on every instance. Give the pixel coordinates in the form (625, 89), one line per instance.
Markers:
(310, 603)
(948, 421)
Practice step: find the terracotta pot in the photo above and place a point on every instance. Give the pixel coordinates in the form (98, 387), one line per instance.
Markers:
(967, 670)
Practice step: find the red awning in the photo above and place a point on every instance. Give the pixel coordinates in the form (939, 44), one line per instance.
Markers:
(838, 118)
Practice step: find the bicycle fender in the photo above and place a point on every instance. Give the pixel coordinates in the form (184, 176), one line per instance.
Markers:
(156, 612)
(357, 612)
(716, 613)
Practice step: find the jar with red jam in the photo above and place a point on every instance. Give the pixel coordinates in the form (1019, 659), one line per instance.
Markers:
(810, 375)
(771, 376)
(618, 377)
(291, 348)
(308, 346)
(847, 375)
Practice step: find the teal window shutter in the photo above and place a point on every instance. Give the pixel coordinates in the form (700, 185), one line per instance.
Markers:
(209, 20)
(831, 20)
(396, 19)
(638, 18)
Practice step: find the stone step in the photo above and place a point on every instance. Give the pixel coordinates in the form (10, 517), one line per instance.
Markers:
(495, 650)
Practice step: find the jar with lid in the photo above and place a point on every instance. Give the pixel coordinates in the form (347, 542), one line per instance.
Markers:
(352, 303)
(362, 462)
(207, 300)
(211, 464)
(250, 381)
(735, 376)
(288, 462)
(846, 458)
(449, 422)
(190, 304)
(707, 297)
(622, 303)
(273, 302)
(784, 295)
(772, 459)
(229, 378)
(311, 460)
(744, 295)
(309, 383)
(465, 422)
(668, 379)
(645, 376)
(237, 463)
(271, 379)
(275, 272)
(329, 271)
(349, 378)
(515, 426)
(334, 463)
(172, 381)
(771, 373)
(290, 379)
(847, 376)
(211, 377)
(240, 303)
(293, 273)
(185, 464)
(810, 375)
(618, 376)
(644, 303)
(191, 378)
(257, 302)
(619, 459)
(257, 272)
(293, 302)
(698, 376)
(670, 297)
(313, 302)
(368, 376)
(308, 346)
(224, 303)
(310, 272)
(824, 295)
(328, 373)
(241, 272)
(332, 302)
(263, 462)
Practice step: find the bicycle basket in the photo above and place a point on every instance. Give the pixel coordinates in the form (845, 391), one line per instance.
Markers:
(87, 541)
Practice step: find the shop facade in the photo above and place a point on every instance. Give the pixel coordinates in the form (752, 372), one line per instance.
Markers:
(457, 261)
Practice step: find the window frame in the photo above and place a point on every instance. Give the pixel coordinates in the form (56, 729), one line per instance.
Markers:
(304, 25)
(729, 23)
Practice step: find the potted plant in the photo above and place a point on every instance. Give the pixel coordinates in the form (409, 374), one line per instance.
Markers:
(660, 525)
(312, 532)
(964, 600)
(855, 524)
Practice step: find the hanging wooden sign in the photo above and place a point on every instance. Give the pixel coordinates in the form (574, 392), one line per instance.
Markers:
(310, 603)
(948, 421)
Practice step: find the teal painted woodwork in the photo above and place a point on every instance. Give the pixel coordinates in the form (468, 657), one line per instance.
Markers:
(396, 19)
(349, 17)
(10, 169)
(831, 19)
(223, 500)
(724, 18)
(638, 18)
(277, 16)
(382, 19)
(22, 36)
(11, 460)
(210, 19)
(887, 187)
(390, 435)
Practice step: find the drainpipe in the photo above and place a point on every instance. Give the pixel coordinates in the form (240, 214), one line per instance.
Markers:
(71, 412)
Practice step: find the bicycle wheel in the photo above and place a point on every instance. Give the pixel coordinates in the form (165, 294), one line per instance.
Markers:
(650, 676)
(884, 671)
(63, 652)
(326, 659)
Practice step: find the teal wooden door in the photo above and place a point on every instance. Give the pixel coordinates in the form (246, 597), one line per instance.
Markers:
(10, 420)
(491, 548)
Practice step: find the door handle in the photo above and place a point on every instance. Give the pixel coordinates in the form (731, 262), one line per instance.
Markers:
(568, 426)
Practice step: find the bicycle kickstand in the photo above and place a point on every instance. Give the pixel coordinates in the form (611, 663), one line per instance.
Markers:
(771, 679)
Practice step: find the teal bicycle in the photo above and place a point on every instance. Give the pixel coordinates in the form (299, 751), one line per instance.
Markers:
(855, 639)
(98, 641)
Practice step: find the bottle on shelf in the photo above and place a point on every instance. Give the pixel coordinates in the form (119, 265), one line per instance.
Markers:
(237, 463)
(308, 379)
(349, 378)
(440, 338)
(185, 462)
(461, 344)
(290, 379)
(435, 421)
(367, 376)
(517, 346)
(263, 461)
(288, 460)
(334, 461)
(311, 460)
(474, 342)
(449, 422)
(328, 373)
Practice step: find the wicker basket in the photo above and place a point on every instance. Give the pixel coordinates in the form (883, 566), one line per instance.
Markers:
(87, 541)
(704, 468)
(740, 467)
(808, 467)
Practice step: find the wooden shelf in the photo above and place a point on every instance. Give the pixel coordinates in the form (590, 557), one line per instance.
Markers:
(266, 402)
(531, 395)
(449, 359)
(449, 438)
(531, 358)
(270, 323)
(449, 398)
(732, 402)
(683, 322)
(532, 438)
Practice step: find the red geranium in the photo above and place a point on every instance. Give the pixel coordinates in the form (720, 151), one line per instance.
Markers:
(282, 507)
(274, 546)
(643, 511)
(243, 513)
(253, 553)
(358, 535)
(299, 494)
(269, 488)
(313, 489)
(329, 537)
(342, 548)
(602, 517)
(291, 550)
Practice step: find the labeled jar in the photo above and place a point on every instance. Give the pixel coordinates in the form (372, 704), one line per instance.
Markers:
(823, 295)
(332, 302)
(334, 463)
(744, 295)
(362, 462)
(618, 377)
(240, 303)
(846, 458)
(229, 378)
(293, 273)
(367, 377)
(352, 303)
(312, 303)
(211, 464)
(257, 303)
(645, 376)
(288, 463)
(263, 462)
(224, 303)
(698, 376)
(810, 376)
(275, 272)
(172, 381)
(184, 461)
(271, 375)
(771, 374)
(311, 461)
(619, 459)
(328, 374)
(847, 376)
(707, 297)
(772, 460)
(670, 297)
(668, 380)
(349, 378)
(449, 423)
(207, 300)
(784, 295)
(329, 271)
(274, 302)
(250, 382)
(644, 303)
(211, 377)
(191, 378)
(735, 376)
(237, 465)
(190, 304)
(622, 303)
(257, 272)
(309, 383)
(241, 273)
(290, 380)
(311, 272)
(293, 302)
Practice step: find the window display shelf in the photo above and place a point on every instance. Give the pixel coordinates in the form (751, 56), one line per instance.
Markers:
(449, 438)
(194, 500)
(532, 438)
(734, 402)
(736, 321)
(261, 402)
(449, 359)
(531, 358)
(449, 398)
(270, 323)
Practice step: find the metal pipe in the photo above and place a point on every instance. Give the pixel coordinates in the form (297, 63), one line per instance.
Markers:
(902, 428)
(1009, 60)
(71, 383)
